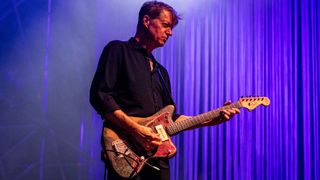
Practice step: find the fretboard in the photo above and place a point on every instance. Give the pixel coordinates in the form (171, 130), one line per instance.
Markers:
(177, 127)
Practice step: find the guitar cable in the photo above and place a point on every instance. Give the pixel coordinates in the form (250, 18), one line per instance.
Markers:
(150, 165)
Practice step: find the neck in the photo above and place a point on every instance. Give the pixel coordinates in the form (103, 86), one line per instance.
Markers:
(145, 42)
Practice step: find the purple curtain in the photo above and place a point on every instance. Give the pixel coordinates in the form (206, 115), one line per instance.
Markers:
(227, 49)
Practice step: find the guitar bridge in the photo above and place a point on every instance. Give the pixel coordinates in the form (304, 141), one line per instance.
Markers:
(124, 152)
(121, 148)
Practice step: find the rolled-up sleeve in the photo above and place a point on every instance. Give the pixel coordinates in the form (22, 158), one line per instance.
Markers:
(105, 78)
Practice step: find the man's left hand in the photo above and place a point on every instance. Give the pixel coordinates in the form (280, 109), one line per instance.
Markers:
(227, 114)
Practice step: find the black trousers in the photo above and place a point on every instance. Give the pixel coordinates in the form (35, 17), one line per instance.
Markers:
(147, 173)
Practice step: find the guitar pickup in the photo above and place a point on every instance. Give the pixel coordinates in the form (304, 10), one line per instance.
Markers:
(162, 132)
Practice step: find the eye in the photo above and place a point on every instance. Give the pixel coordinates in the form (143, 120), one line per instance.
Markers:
(165, 25)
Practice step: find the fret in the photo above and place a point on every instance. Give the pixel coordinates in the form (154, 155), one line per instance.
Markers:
(207, 117)
(191, 123)
(183, 125)
(173, 130)
(176, 127)
(202, 118)
(169, 129)
(196, 119)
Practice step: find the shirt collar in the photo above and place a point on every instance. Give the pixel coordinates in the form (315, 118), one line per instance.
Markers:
(138, 47)
(135, 44)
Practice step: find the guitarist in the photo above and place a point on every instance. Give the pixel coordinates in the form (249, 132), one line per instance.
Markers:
(130, 82)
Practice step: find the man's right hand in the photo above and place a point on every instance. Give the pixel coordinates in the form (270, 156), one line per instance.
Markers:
(146, 137)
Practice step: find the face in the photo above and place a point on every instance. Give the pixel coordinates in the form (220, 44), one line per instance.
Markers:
(160, 28)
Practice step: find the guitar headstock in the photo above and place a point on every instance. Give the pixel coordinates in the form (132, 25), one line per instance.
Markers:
(252, 102)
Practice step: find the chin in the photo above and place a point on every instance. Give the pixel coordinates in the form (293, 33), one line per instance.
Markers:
(161, 43)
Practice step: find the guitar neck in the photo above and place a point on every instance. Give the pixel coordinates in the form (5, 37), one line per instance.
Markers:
(177, 127)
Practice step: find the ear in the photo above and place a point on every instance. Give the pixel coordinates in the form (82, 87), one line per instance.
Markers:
(146, 21)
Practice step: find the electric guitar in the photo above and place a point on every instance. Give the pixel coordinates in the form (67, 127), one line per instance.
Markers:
(128, 157)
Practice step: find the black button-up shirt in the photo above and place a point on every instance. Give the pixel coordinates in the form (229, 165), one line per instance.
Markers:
(124, 80)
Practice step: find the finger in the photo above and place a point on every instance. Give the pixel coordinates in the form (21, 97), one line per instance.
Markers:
(157, 143)
(227, 103)
(149, 134)
(231, 111)
(152, 145)
(226, 112)
(148, 147)
(226, 117)
(223, 113)
(156, 137)
(152, 135)
(237, 110)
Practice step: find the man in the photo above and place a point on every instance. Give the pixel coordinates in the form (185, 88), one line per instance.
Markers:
(130, 82)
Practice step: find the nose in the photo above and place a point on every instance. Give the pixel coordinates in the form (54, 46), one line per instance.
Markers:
(169, 32)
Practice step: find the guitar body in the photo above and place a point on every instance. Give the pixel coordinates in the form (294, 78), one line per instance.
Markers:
(125, 155)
